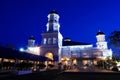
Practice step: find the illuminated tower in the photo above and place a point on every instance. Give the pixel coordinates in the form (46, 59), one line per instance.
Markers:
(101, 43)
(53, 22)
(31, 42)
(52, 38)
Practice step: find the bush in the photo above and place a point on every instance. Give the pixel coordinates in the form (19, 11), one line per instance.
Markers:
(60, 63)
(50, 65)
(41, 66)
(114, 69)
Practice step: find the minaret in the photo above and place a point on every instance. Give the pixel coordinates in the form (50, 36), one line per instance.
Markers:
(53, 22)
(31, 41)
(52, 38)
(101, 43)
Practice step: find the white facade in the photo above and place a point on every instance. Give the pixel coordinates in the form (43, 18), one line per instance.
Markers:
(66, 51)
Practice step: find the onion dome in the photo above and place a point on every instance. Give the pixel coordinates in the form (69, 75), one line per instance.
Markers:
(53, 12)
(100, 33)
(31, 38)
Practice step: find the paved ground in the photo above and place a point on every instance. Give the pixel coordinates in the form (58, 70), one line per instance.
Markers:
(88, 76)
(88, 70)
(73, 74)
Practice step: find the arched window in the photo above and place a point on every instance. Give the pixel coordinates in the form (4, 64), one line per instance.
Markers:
(54, 40)
(44, 41)
(49, 40)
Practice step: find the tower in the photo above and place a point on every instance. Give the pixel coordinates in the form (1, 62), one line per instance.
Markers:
(101, 43)
(31, 41)
(52, 39)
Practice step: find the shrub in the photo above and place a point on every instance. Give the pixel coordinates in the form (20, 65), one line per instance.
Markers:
(41, 65)
(50, 65)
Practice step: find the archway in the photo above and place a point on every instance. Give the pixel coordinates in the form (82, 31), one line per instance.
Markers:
(49, 55)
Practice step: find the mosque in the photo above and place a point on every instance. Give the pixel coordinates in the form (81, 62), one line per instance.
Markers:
(66, 51)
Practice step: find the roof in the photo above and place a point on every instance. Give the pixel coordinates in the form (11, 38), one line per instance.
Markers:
(67, 39)
(15, 54)
(72, 43)
(31, 38)
(100, 33)
(53, 12)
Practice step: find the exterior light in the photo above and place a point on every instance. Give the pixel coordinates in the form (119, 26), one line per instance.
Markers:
(62, 59)
(21, 49)
(67, 59)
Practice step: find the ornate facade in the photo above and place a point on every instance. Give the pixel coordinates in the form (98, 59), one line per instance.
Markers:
(67, 51)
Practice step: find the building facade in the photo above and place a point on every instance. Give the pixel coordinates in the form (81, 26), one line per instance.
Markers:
(66, 51)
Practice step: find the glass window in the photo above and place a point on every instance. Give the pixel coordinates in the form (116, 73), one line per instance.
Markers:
(44, 41)
(54, 40)
(49, 40)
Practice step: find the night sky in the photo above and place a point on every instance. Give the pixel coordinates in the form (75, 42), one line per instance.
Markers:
(80, 20)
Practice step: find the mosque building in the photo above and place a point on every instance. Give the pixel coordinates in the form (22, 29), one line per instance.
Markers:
(66, 51)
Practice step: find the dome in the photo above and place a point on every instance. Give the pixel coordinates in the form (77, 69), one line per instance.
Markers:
(31, 38)
(67, 39)
(53, 12)
(100, 33)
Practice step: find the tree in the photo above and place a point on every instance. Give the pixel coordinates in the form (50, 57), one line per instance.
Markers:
(51, 65)
(114, 40)
(41, 65)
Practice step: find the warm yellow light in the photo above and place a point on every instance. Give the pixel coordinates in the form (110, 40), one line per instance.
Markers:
(49, 55)
(66, 62)
(74, 61)
(62, 59)
(85, 62)
(67, 59)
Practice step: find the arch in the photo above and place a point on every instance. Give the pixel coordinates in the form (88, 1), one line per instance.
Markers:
(49, 55)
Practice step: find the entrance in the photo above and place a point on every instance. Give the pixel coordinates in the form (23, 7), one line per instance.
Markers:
(49, 55)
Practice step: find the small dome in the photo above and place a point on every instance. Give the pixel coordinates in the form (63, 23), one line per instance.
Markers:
(53, 12)
(31, 38)
(67, 39)
(100, 33)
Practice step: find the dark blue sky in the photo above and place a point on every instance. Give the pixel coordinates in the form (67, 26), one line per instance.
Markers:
(80, 19)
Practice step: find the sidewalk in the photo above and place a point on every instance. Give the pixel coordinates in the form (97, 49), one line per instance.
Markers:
(88, 70)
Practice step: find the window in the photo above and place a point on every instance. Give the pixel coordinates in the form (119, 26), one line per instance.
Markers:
(44, 41)
(54, 40)
(49, 40)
